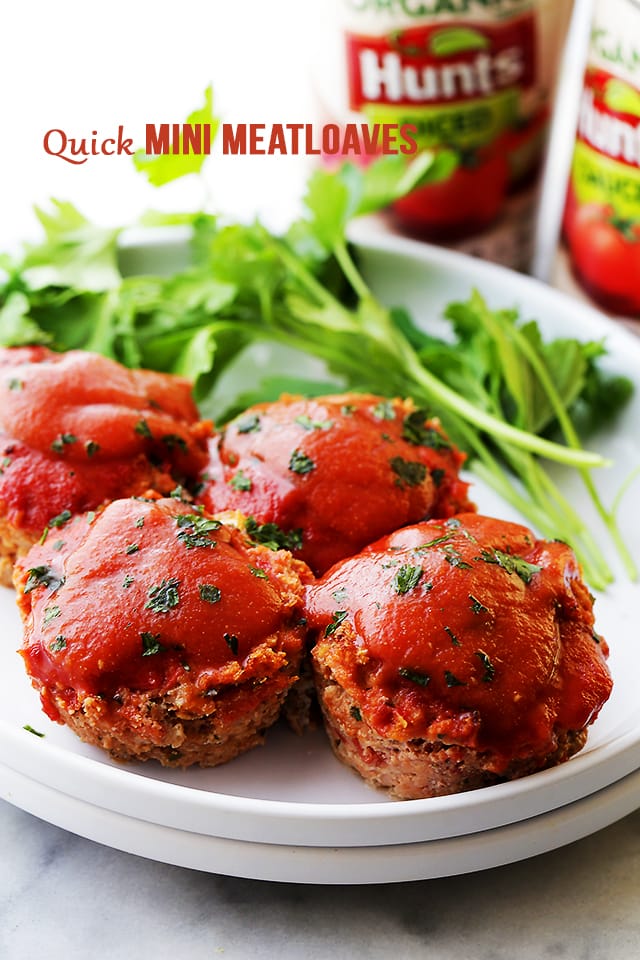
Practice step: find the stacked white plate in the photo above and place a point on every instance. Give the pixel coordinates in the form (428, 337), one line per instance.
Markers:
(289, 811)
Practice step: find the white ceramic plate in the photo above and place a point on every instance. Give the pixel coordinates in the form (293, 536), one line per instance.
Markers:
(293, 792)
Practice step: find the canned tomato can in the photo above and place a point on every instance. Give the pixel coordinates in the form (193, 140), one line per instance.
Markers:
(474, 77)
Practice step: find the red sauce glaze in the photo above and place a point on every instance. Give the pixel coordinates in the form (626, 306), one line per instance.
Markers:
(470, 631)
(139, 598)
(344, 470)
(78, 429)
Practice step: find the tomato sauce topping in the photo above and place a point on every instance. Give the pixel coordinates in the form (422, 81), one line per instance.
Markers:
(148, 594)
(469, 631)
(77, 429)
(337, 471)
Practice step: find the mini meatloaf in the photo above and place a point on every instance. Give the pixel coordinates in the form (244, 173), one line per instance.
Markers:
(78, 430)
(453, 655)
(334, 473)
(155, 631)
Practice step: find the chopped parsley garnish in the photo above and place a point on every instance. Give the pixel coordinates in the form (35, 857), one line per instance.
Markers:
(452, 681)
(270, 535)
(232, 642)
(477, 606)
(452, 637)
(384, 410)
(91, 448)
(58, 544)
(409, 473)
(299, 462)
(43, 577)
(132, 548)
(422, 679)
(194, 530)
(338, 618)
(63, 440)
(305, 421)
(454, 557)
(15, 384)
(249, 424)
(417, 432)
(58, 644)
(60, 520)
(355, 713)
(140, 522)
(128, 580)
(143, 429)
(406, 578)
(50, 613)
(257, 572)
(164, 596)
(438, 476)
(511, 563)
(32, 730)
(340, 594)
(172, 440)
(433, 543)
(150, 644)
(489, 669)
(209, 592)
(240, 481)
(347, 409)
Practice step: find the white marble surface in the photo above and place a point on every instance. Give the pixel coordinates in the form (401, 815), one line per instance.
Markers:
(65, 898)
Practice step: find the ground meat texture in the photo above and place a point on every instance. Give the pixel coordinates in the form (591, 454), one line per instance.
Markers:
(78, 430)
(455, 654)
(334, 472)
(158, 632)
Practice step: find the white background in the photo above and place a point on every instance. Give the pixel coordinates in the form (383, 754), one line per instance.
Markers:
(83, 66)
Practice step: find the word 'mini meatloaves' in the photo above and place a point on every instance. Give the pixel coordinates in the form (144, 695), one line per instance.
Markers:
(334, 473)
(453, 655)
(78, 430)
(155, 631)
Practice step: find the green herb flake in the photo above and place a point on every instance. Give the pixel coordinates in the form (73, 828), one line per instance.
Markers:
(15, 384)
(511, 563)
(257, 572)
(172, 440)
(300, 463)
(50, 613)
(240, 481)
(60, 643)
(420, 434)
(338, 618)
(164, 596)
(452, 681)
(60, 520)
(454, 557)
(406, 578)
(347, 409)
(384, 410)
(432, 543)
(140, 522)
(340, 595)
(65, 439)
(194, 530)
(43, 577)
(409, 473)
(489, 669)
(132, 548)
(91, 448)
(32, 730)
(128, 580)
(249, 424)
(438, 476)
(270, 535)
(209, 592)
(58, 545)
(407, 673)
(305, 421)
(454, 640)
(232, 642)
(355, 713)
(143, 429)
(91, 516)
(151, 644)
(476, 606)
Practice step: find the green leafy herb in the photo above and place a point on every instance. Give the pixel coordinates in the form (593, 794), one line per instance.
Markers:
(355, 713)
(91, 447)
(164, 596)
(172, 440)
(384, 410)
(194, 530)
(489, 669)
(132, 548)
(257, 572)
(454, 640)
(50, 613)
(143, 429)
(338, 618)
(58, 644)
(409, 473)
(209, 592)
(128, 580)
(65, 439)
(270, 535)
(299, 462)
(139, 522)
(476, 606)
(305, 421)
(151, 644)
(248, 424)
(60, 519)
(452, 681)
(32, 730)
(454, 557)
(240, 481)
(406, 578)
(511, 564)
(232, 642)
(407, 673)
(15, 384)
(420, 434)
(43, 577)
